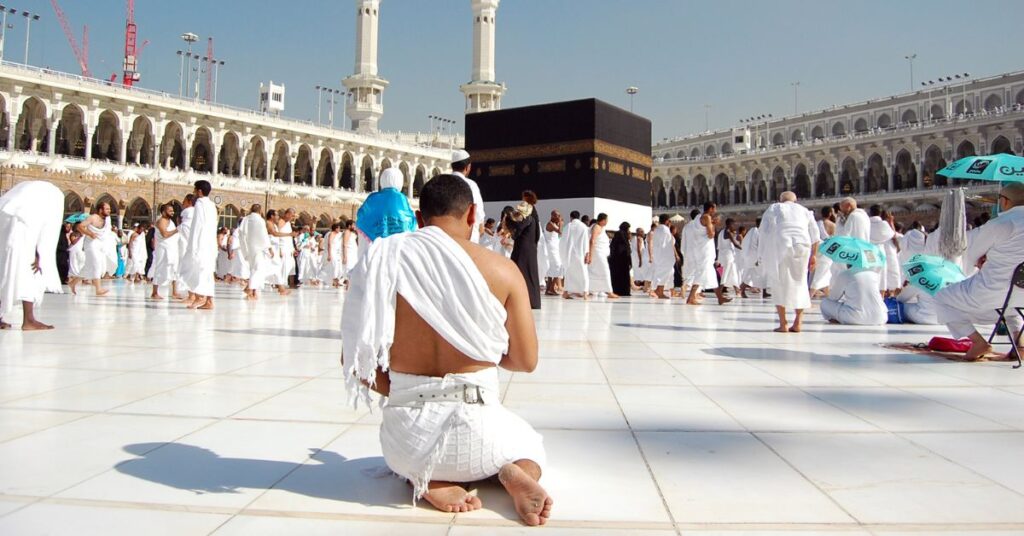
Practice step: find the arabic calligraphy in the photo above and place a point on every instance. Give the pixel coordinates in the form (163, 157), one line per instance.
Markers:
(1010, 170)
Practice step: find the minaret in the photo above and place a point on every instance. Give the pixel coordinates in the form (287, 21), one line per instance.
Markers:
(366, 104)
(482, 92)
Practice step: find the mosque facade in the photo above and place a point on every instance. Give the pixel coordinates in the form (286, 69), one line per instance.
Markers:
(885, 151)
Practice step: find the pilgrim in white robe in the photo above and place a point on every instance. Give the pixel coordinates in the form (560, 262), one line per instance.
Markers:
(309, 270)
(918, 305)
(478, 206)
(727, 257)
(574, 245)
(333, 267)
(30, 221)
(352, 253)
(76, 258)
(200, 258)
(638, 257)
(857, 224)
(287, 246)
(753, 273)
(788, 232)
(854, 299)
(662, 256)
(882, 235)
(600, 271)
(223, 264)
(164, 269)
(973, 301)
(137, 263)
(239, 265)
(912, 243)
(555, 268)
(256, 247)
(184, 231)
(699, 261)
(98, 252)
(425, 440)
(822, 276)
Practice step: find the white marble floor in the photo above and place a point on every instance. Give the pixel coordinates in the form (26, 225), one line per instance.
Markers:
(136, 417)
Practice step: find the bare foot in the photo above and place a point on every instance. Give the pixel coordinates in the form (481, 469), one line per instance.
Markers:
(35, 325)
(723, 301)
(4, 325)
(206, 306)
(155, 297)
(781, 330)
(103, 292)
(250, 297)
(613, 296)
(448, 497)
(195, 304)
(978, 351)
(532, 503)
(795, 328)
(284, 292)
(567, 296)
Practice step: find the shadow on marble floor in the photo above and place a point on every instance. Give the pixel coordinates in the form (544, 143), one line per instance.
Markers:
(332, 334)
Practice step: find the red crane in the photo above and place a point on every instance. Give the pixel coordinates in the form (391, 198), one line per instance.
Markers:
(209, 68)
(131, 55)
(81, 54)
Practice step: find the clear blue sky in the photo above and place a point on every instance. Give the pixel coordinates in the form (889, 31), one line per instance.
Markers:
(738, 56)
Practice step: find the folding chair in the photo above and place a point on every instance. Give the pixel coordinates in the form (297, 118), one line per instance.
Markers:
(1016, 281)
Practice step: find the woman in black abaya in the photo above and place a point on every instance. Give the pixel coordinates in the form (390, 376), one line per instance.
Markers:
(620, 260)
(525, 227)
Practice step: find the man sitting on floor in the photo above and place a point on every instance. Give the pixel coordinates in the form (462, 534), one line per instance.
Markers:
(996, 248)
(432, 345)
(854, 299)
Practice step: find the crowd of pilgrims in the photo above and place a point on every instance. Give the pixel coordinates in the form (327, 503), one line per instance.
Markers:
(304, 256)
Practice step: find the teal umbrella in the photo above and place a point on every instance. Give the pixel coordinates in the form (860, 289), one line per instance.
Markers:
(76, 218)
(994, 167)
(931, 273)
(853, 251)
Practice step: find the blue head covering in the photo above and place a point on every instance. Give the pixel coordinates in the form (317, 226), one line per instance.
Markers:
(386, 212)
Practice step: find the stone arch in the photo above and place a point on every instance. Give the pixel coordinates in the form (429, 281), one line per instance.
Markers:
(1000, 145)
(1019, 99)
(797, 136)
(658, 198)
(201, 153)
(817, 133)
(904, 172)
(71, 132)
(172, 147)
(73, 204)
(346, 175)
(303, 165)
(280, 162)
(721, 189)
(936, 112)
(876, 178)
(838, 129)
(778, 184)
(680, 155)
(256, 159)
(709, 150)
(435, 172)
(106, 140)
(138, 211)
(778, 140)
(701, 193)
(695, 153)
(849, 177)
(141, 146)
(229, 160)
(325, 169)
(759, 192)
(419, 180)
(671, 197)
(682, 198)
(883, 121)
(824, 180)
(963, 107)
(385, 164)
(909, 117)
(992, 102)
(229, 217)
(801, 182)
(860, 125)
(367, 180)
(406, 176)
(933, 162)
(726, 148)
(32, 131)
(965, 149)
(5, 123)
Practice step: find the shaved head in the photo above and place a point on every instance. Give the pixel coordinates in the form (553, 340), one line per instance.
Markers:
(787, 197)
(1014, 192)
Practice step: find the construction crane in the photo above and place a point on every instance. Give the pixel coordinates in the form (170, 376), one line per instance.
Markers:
(131, 55)
(81, 53)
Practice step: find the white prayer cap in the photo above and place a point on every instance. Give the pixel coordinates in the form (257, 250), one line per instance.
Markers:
(392, 178)
(459, 156)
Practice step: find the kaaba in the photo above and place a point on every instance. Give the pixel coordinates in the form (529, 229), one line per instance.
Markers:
(584, 155)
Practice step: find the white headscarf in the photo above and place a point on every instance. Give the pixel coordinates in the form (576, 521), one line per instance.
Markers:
(392, 178)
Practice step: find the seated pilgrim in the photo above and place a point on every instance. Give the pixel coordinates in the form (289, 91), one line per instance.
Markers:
(918, 305)
(429, 319)
(996, 249)
(854, 299)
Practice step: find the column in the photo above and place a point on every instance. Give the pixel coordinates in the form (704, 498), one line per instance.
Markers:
(291, 167)
(336, 165)
(122, 157)
(187, 142)
(316, 165)
(241, 165)
(920, 175)
(88, 142)
(12, 127)
(215, 157)
(51, 143)
(837, 176)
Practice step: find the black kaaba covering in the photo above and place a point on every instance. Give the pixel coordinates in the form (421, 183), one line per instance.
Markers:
(584, 148)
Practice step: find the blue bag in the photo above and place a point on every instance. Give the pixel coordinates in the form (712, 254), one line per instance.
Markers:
(895, 309)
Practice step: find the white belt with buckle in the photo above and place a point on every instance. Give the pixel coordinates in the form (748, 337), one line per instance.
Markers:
(467, 394)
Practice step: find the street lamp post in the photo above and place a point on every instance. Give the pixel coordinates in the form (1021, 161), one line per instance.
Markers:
(4, 27)
(707, 118)
(632, 91)
(29, 17)
(910, 59)
(319, 98)
(189, 38)
(796, 90)
(216, 77)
